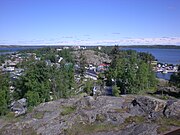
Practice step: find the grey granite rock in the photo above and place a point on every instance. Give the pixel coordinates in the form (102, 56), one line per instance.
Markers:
(54, 118)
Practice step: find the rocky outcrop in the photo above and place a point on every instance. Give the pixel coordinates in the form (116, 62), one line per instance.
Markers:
(148, 106)
(101, 115)
(171, 91)
(154, 108)
(140, 129)
(172, 109)
(91, 57)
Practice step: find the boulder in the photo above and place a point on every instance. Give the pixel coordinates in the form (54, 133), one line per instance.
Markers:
(172, 109)
(148, 106)
(171, 91)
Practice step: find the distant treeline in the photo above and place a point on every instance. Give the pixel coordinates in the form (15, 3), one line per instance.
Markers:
(153, 46)
(4, 50)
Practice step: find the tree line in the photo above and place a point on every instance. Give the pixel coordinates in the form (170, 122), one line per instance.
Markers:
(39, 82)
(175, 78)
(42, 82)
(131, 72)
(4, 93)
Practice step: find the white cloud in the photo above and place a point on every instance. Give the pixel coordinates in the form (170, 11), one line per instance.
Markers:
(134, 41)
(125, 41)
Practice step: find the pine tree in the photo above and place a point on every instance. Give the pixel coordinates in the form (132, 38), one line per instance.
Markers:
(4, 94)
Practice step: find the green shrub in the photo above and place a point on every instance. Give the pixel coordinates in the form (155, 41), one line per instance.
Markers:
(68, 110)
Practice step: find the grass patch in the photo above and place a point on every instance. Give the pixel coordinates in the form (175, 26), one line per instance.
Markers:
(168, 121)
(68, 110)
(16, 131)
(30, 109)
(164, 97)
(146, 91)
(100, 117)
(9, 116)
(165, 123)
(136, 119)
(162, 129)
(81, 129)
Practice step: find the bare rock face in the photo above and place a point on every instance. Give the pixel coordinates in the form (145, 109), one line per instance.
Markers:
(140, 129)
(102, 109)
(148, 106)
(172, 109)
(102, 115)
(91, 57)
(154, 108)
(171, 91)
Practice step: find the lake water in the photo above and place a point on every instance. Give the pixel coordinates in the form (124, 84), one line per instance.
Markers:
(164, 76)
(171, 56)
(10, 50)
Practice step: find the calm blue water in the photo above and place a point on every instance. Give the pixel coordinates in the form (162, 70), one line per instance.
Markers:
(15, 49)
(164, 76)
(171, 56)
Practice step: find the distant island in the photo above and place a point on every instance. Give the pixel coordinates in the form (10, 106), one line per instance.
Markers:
(154, 46)
(124, 46)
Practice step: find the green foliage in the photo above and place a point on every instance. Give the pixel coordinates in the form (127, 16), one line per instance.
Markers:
(66, 54)
(4, 93)
(2, 58)
(165, 123)
(115, 91)
(82, 64)
(147, 57)
(131, 73)
(82, 129)
(100, 117)
(68, 110)
(115, 50)
(62, 82)
(88, 86)
(33, 98)
(134, 119)
(41, 79)
(175, 78)
(3, 102)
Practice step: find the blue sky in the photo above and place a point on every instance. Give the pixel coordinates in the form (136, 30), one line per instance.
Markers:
(89, 22)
